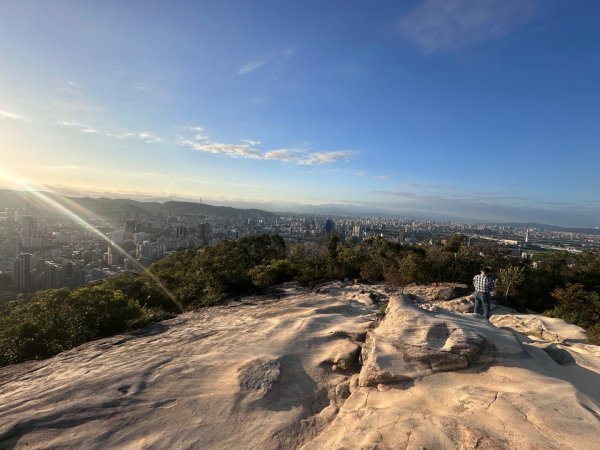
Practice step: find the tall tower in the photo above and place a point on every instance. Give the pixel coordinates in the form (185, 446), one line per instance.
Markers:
(22, 272)
(329, 225)
(30, 232)
(527, 236)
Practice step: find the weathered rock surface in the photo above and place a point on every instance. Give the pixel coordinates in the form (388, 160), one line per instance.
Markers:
(546, 328)
(438, 291)
(258, 374)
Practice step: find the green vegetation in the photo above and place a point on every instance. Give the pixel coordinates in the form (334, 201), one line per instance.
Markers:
(47, 322)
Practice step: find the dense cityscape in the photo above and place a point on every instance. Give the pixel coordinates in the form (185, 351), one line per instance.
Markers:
(41, 250)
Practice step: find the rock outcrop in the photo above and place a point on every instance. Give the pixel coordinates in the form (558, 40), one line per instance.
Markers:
(312, 370)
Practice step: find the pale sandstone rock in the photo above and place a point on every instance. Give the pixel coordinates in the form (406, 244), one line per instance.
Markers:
(546, 328)
(249, 375)
(344, 355)
(411, 343)
(259, 375)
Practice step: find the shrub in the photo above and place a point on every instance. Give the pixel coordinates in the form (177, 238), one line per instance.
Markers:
(577, 305)
(276, 272)
(56, 320)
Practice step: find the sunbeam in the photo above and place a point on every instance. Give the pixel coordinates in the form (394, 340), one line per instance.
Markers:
(69, 212)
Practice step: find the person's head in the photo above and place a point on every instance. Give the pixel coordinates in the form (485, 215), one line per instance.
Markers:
(485, 270)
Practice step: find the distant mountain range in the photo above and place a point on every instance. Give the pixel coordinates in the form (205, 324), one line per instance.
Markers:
(34, 203)
(545, 226)
(45, 203)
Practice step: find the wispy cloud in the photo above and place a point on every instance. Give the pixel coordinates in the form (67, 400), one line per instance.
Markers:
(249, 149)
(318, 158)
(144, 136)
(251, 66)
(446, 25)
(89, 129)
(69, 123)
(288, 52)
(12, 116)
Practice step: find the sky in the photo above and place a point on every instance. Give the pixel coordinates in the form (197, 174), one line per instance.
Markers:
(485, 110)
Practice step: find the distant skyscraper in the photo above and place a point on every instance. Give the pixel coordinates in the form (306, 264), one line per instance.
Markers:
(9, 215)
(527, 236)
(204, 230)
(329, 226)
(22, 272)
(118, 237)
(130, 226)
(182, 231)
(29, 233)
(357, 231)
(54, 275)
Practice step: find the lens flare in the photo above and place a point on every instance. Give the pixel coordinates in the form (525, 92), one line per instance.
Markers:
(77, 218)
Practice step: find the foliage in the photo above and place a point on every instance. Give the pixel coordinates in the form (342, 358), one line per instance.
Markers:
(577, 305)
(206, 276)
(59, 319)
(276, 272)
(509, 280)
(39, 325)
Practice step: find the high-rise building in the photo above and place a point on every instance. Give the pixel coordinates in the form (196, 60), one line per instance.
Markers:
(118, 237)
(22, 272)
(130, 226)
(182, 231)
(401, 235)
(54, 275)
(114, 258)
(204, 230)
(329, 226)
(357, 231)
(29, 234)
(9, 215)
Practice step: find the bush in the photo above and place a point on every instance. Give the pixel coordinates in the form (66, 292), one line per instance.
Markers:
(593, 334)
(276, 272)
(56, 320)
(577, 305)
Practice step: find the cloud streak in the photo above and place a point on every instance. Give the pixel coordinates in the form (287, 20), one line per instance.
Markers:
(249, 149)
(251, 66)
(437, 26)
(88, 129)
(12, 116)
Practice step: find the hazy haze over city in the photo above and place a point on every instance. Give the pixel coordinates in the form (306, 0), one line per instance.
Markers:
(485, 110)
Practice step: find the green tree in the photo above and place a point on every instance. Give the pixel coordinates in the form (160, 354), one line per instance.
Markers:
(509, 280)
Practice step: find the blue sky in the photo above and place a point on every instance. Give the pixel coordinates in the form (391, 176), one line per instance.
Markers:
(484, 110)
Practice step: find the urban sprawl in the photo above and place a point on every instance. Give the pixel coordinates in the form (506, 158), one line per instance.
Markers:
(45, 252)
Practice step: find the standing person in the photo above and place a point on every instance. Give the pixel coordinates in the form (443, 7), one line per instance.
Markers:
(484, 285)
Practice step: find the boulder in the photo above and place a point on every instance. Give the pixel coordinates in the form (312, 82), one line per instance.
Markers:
(526, 324)
(344, 354)
(411, 343)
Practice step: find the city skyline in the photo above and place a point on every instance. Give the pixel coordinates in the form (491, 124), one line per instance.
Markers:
(478, 110)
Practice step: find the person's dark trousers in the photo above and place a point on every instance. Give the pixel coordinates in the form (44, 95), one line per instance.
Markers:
(482, 301)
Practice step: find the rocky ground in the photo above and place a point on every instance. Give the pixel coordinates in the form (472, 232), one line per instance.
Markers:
(316, 369)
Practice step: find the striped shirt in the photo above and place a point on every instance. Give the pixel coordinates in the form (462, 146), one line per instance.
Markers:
(483, 283)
